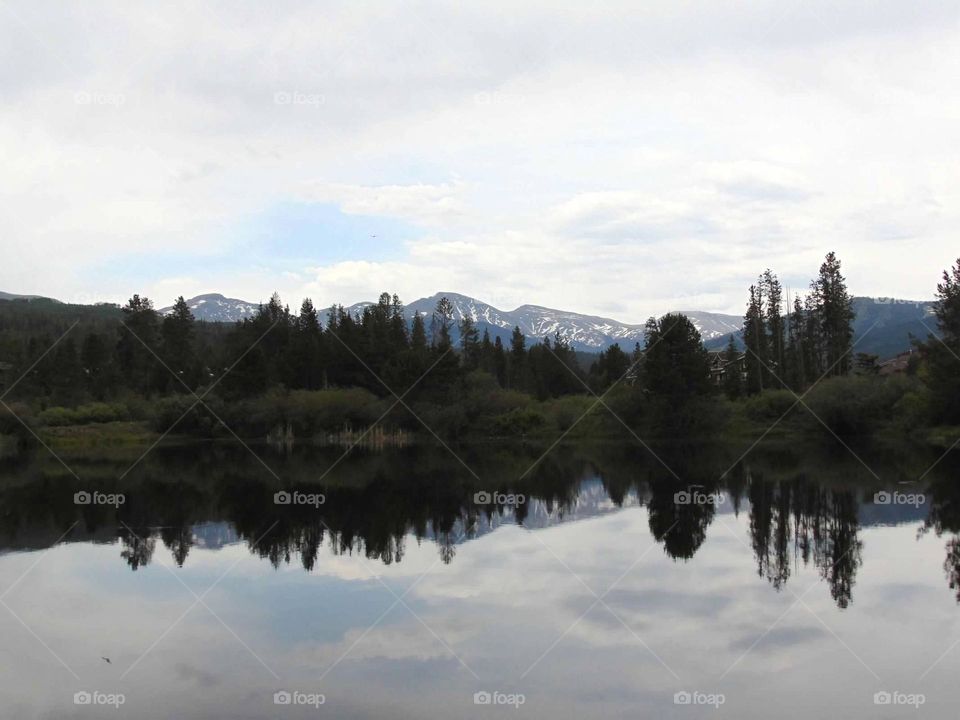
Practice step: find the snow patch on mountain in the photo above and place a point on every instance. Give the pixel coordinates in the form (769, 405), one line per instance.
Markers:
(214, 307)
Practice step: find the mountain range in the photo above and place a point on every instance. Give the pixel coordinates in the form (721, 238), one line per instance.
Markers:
(883, 326)
(588, 333)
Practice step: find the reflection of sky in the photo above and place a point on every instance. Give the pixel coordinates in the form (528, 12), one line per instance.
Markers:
(504, 601)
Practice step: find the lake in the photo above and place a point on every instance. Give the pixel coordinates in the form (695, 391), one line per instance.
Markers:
(604, 580)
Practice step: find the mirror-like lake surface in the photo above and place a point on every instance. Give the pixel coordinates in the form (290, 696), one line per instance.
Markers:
(475, 581)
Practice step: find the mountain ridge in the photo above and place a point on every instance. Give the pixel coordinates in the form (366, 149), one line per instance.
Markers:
(883, 326)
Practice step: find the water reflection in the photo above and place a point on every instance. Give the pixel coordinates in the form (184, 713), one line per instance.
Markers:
(802, 508)
(508, 591)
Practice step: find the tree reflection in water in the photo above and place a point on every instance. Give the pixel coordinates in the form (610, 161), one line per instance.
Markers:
(801, 510)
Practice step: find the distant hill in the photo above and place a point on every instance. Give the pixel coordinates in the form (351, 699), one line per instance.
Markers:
(14, 296)
(883, 326)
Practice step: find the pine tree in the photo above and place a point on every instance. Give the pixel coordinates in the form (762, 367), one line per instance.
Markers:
(518, 359)
(419, 352)
(440, 324)
(947, 308)
(486, 354)
(773, 318)
(755, 340)
(500, 362)
(676, 371)
(732, 380)
(796, 353)
(943, 368)
(177, 331)
(136, 363)
(308, 370)
(835, 314)
(469, 344)
(610, 365)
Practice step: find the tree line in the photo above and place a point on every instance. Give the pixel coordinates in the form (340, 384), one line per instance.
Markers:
(67, 355)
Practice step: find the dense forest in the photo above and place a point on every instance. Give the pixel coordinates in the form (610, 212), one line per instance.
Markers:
(313, 373)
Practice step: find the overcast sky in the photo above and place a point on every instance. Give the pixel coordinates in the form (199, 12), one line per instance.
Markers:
(620, 159)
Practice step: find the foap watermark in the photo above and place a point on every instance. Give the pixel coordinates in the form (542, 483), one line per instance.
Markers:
(495, 697)
(485, 497)
(295, 97)
(896, 697)
(98, 498)
(95, 697)
(694, 496)
(699, 698)
(899, 498)
(490, 99)
(894, 301)
(295, 697)
(295, 497)
(87, 97)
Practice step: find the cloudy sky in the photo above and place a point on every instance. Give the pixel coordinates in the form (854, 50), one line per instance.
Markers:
(613, 158)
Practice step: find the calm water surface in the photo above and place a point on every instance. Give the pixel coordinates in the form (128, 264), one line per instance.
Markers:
(779, 586)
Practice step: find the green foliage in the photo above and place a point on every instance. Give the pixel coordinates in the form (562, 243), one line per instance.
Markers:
(769, 405)
(628, 402)
(610, 367)
(92, 413)
(519, 422)
(855, 405)
(732, 377)
(308, 412)
(564, 412)
(942, 355)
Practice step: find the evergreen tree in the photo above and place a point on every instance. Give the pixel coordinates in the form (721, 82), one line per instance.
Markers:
(947, 308)
(518, 358)
(307, 365)
(177, 331)
(943, 367)
(796, 353)
(776, 340)
(418, 353)
(835, 314)
(611, 365)
(135, 362)
(441, 323)
(500, 362)
(755, 340)
(469, 343)
(486, 354)
(676, 371)
(732, 380)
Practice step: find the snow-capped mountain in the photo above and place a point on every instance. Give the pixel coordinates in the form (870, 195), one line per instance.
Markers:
(214, 307)
(588, 333)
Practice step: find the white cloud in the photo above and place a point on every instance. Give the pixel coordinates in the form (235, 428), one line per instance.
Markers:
(429, 205)
(577, 158)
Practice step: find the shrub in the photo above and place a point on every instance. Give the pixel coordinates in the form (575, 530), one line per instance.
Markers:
(769, 405)
(174, 414)
(856, 405)
(518, 421)
(566, 411)
(98, 412)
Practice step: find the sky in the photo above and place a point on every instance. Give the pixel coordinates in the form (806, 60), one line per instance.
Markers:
(619, 159)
